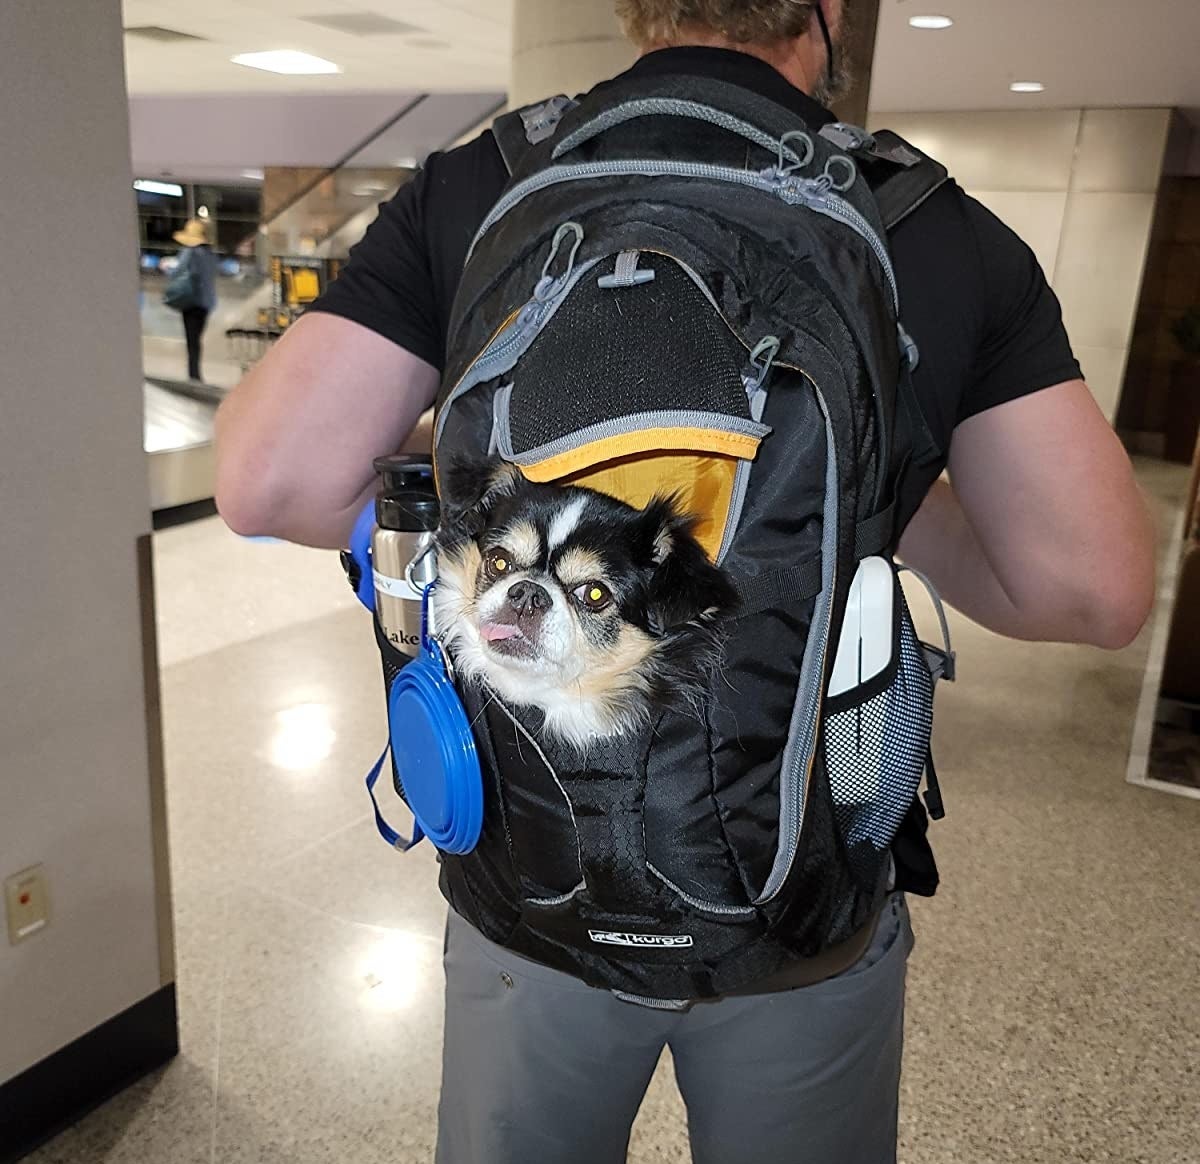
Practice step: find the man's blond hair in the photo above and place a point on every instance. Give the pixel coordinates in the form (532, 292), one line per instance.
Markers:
(739, 21)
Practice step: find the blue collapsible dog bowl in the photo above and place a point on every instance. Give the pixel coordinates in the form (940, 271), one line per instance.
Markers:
(434, 752)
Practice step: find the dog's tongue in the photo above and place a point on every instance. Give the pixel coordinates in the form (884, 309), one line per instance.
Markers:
(495, 632)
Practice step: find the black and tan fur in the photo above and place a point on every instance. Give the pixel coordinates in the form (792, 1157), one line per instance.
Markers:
(526, 562)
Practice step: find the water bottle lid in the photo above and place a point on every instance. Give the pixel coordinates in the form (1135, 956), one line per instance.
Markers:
(408, 501)
(406, 471)
(435, 755)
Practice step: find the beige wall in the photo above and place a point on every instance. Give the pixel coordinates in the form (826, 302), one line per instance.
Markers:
(564, 46)
(1079, 186)
(73, 705)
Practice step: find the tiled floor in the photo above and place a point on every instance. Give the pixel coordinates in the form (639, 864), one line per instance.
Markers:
(1053, 1010)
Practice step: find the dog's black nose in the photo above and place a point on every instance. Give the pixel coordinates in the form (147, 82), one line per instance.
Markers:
(528, 598)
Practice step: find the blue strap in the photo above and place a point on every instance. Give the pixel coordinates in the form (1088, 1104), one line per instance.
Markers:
(360, 553)
(389, 834)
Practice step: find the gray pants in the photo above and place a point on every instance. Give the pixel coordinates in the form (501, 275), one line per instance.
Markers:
(541, 1069)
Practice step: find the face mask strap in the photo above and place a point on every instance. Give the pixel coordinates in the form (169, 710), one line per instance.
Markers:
(830, 69)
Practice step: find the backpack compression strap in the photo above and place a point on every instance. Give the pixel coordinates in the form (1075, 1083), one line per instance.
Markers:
(900, 176)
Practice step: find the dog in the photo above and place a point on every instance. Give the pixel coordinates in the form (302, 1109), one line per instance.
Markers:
(567, 600)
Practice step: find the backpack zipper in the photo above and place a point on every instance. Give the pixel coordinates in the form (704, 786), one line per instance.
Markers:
(789, 188)
(800, 753)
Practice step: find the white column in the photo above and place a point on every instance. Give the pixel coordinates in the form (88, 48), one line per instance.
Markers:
(564, 46)
(77, 690)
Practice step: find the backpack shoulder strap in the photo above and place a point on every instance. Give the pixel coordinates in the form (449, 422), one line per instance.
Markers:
(517, 131)
(901, 177)
(905, 189)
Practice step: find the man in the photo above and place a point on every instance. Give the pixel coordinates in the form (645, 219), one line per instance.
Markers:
(1040, 534)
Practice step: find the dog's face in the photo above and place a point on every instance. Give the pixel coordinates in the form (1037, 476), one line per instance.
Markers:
(569, 600)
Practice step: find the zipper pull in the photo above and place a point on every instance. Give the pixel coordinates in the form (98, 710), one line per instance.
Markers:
(758, 368)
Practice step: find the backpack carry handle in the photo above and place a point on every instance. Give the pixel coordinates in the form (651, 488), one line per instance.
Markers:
(693, 110)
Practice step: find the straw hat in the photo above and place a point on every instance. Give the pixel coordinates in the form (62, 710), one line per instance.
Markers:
(194, 234)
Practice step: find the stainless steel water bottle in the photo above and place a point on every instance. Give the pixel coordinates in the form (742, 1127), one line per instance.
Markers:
(406, 517)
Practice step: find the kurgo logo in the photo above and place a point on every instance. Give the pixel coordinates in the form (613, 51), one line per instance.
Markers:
(608, 938)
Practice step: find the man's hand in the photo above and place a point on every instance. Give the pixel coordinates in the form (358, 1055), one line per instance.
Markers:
(1043, 532)
(297, 437)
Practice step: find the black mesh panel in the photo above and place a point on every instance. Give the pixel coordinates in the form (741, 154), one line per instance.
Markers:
(613, 352)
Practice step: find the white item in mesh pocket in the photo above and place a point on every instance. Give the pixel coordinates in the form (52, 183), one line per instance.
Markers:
(865, 650)
(875, 751)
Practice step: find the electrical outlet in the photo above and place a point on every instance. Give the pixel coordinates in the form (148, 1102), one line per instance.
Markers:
(27, 903)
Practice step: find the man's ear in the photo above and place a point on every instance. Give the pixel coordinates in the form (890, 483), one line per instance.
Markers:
(685, 587)
(470, 489)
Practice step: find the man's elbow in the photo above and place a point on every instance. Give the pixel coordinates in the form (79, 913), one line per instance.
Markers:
(243, 505)
(245, 497)
(1119, 611)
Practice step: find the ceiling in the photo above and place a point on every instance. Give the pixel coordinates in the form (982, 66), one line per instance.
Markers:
(220, 137)
(1087, 52)
(451, 45)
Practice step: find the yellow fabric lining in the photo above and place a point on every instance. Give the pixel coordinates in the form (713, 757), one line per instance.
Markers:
(696, 466)
(702, 484)
(713, 441)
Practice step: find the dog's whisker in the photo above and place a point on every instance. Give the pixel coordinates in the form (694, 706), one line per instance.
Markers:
(490, 700)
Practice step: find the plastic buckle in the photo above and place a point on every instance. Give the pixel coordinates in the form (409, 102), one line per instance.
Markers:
(848, 137)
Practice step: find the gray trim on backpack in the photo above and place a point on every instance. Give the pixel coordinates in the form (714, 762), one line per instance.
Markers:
(737, 502)
(802, 734)
(511, 343)
(699, 903)
(792, 189)
(623, 426)
(561, 899)
(673, 107)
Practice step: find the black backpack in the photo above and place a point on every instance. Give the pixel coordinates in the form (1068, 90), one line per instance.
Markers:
(681, 272)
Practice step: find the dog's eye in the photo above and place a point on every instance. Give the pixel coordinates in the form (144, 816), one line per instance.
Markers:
(595, 596)
(497, 562)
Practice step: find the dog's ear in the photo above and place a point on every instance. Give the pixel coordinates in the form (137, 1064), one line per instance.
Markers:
(470, 489)
(685, 587)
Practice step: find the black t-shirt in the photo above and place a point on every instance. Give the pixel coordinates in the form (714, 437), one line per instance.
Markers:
(972, 295)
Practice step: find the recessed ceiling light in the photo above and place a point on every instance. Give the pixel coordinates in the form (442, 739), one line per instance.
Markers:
(930, 21)
(1027, 87)
(150, 187)
(286, 61)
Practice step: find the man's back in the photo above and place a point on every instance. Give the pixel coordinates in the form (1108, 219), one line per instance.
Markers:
(1042, 535)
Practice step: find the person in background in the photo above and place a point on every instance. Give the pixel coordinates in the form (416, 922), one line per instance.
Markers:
(192, 290)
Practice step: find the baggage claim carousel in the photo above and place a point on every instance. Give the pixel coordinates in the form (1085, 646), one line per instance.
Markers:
(179, 418)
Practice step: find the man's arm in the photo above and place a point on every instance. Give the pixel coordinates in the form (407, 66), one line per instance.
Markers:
(297, 437)
(1042, 532)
